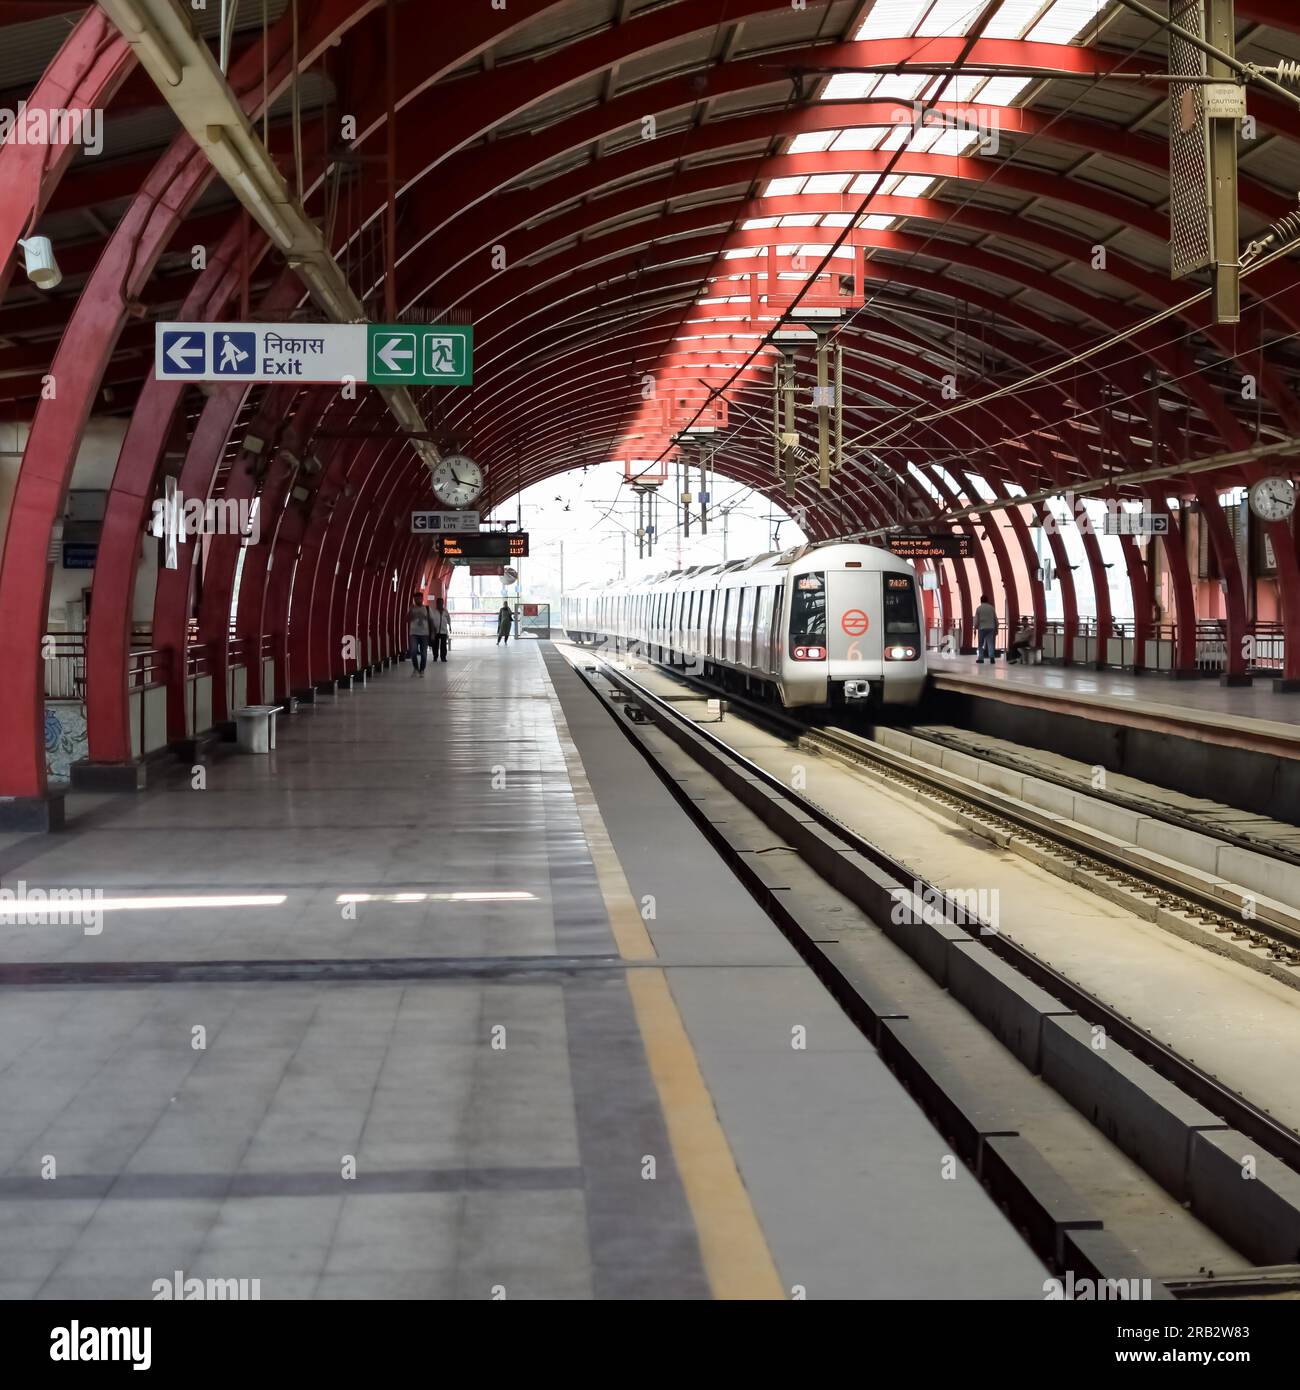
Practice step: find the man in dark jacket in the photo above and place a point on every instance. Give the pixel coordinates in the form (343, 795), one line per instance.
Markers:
(505, 624)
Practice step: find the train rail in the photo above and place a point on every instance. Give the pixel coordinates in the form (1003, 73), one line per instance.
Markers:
(1040, 831)
(1236, 1111)
(1287, 852)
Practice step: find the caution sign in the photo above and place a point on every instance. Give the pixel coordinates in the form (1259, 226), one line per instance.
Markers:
(855, 622)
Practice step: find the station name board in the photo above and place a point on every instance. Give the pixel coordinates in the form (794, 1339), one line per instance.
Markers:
(939, 545)
(483, 545)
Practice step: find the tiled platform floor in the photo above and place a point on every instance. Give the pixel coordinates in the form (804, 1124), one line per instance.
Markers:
(440, 1097)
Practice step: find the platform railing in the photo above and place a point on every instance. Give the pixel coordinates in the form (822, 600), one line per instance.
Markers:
(198, 688)
(1266, 649)
(65, 665)
(147, 672)
(533, 619)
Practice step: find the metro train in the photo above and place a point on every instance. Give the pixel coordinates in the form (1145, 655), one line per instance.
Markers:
(830, 624)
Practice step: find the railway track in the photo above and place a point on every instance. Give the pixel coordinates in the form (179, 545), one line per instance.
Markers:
(1195, 1083)
(1032, 827)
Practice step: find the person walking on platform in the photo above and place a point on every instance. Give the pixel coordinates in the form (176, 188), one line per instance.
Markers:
(420, 623)
(440, 621)
(505, 624)
(986, 624)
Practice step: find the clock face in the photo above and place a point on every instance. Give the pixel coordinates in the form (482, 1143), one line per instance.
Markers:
(457, 480)
(1273, 499)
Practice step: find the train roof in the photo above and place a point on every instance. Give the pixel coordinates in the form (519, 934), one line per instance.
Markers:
(818, 551)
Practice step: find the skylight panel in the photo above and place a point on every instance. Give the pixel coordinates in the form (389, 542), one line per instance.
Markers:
(864, 183)
(925, 138)
(1012, 19)
(816, 254)
(812, 143)
(800, 219)
(891, 19)
(827, 183)
(741, 252)
(752, 223)
(961, 88)
(875, 222)
(1002, 91)
(860, 137)
(913, 186)
(954, 142)
(926, 483)
(782, 188)
(837, 219)
(850, 86)
(950, 17)
(901, 86)
(1066, 20)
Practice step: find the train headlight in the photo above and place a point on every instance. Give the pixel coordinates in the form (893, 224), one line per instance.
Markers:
(901, 653)
(809, 653)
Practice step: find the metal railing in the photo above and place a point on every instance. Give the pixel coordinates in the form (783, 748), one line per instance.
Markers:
(1265, 644)
(65, 665)
(531, 619)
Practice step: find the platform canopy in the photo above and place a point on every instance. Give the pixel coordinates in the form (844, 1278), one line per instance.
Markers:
(628, 200)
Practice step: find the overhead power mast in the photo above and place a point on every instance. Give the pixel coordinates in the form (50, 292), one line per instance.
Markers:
(789, 458)
(1206, 105)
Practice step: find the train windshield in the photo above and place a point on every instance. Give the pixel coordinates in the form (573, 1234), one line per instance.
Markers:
(900, 606)
(808, 610)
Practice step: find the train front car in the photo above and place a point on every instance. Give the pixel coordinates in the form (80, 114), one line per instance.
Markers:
(854, 631)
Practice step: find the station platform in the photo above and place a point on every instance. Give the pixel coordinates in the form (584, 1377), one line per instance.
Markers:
(1241, 744)
(447, 998)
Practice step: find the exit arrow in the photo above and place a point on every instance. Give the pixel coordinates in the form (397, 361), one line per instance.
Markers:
(182, 354)
(392, 357)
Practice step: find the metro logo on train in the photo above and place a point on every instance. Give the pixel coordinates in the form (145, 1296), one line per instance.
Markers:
(829, 624)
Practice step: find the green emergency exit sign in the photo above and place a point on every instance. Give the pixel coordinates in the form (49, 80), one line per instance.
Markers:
(405, 354)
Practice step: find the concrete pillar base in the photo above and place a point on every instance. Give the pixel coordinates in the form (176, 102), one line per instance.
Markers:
(226, 731)
(327, 688)
(1189, 675)
(109, 777)
(34, 814)
(1286, 685)
(305, 697)
(1234, 681)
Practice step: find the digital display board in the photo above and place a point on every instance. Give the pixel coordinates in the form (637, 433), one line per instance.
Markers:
(483, 545)
(939, 545)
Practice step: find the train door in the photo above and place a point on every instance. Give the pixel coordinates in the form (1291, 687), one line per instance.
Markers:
(855, 622)
(776, 652)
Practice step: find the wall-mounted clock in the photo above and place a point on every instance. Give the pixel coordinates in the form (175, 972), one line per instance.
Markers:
(457, 480)
(1273, 499)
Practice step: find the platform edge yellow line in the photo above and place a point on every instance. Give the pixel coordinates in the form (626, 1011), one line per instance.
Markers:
(737, 1260)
